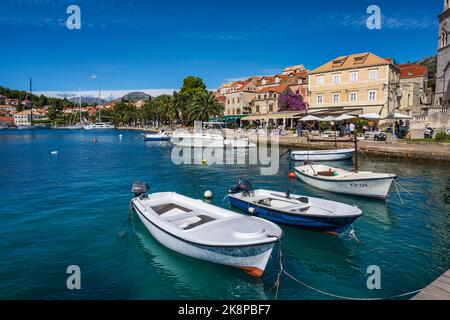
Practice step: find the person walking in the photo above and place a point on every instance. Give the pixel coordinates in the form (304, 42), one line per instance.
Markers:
(299, 129)
(352, 128)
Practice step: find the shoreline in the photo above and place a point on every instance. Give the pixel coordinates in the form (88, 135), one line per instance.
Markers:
(401, 149)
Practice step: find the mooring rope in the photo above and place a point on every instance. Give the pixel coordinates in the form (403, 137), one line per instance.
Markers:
(398, 192)
(283, 271)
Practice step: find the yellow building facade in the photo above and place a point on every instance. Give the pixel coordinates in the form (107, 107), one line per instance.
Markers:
(356, 84)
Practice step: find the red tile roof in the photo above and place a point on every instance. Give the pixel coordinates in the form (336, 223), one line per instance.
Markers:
(410, 70)
(278, 89)
(7, 119)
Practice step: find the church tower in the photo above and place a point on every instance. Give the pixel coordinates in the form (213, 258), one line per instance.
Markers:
(442, 94)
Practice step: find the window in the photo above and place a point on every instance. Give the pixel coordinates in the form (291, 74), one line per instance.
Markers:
(372, 95)
(257, 109)
(270, 107)
(238, 100)
(320, 98)
(336, 78)
(353, 96)
(373, 74)
(320, 80)
(259, 97)
(336, 97)
(274, 95)
(265, 96)
(354, 76)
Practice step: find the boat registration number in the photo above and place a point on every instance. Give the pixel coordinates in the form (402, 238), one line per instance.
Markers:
(359, 185)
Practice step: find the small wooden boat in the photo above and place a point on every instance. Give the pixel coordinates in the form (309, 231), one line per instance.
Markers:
(359, 183)
(294, 210)
(206, 232)
(323, 155)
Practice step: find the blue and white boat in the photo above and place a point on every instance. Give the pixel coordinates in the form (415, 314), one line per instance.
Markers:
(294, 210)
(160, 136)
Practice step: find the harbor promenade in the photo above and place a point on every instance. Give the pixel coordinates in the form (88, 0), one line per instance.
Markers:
(438, 290)
(406, 149)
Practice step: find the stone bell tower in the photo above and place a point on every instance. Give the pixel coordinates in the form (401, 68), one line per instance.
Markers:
(442, 94)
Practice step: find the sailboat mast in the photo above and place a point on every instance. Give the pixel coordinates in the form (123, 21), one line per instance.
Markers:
(99, 109)
(79, 101)
(31, 93)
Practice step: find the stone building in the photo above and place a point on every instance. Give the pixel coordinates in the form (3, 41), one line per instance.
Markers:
(442, 94)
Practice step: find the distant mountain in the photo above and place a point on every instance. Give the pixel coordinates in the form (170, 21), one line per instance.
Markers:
(135, 96)
(88, 100)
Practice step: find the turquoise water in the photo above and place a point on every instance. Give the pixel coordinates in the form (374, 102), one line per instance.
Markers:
(68, 209)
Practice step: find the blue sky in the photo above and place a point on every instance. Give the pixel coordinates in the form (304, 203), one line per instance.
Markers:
(156, 43)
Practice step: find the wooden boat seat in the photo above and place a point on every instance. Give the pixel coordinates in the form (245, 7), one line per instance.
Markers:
(298, 207)
(327, 173)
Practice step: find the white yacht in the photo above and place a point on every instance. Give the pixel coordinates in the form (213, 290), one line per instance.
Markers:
(99, 126)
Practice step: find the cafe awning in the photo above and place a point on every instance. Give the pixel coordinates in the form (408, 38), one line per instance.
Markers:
(273, 116)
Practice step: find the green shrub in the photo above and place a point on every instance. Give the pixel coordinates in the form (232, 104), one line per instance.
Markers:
(441, 136)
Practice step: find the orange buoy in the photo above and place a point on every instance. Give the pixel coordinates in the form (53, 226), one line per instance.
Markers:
(292, 175)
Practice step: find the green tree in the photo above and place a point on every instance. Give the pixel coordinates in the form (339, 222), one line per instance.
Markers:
(202, 106)
(192, 83)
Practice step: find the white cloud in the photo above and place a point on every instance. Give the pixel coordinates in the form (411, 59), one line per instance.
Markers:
(105, 94)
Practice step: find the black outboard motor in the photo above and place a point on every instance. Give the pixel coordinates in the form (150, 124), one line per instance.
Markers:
(242, 186)
(140, 188)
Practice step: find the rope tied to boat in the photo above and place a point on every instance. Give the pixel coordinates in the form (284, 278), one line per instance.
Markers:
(329, 294)
(128, 223)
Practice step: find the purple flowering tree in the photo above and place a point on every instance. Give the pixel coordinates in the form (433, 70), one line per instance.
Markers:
(292, 102)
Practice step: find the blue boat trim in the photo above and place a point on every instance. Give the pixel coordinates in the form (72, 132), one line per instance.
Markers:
(322, 224)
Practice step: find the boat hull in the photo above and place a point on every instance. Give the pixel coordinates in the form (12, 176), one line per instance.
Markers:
(324, 155)
(156, 138)
(372, 188)
(252, 259)
(308, 222)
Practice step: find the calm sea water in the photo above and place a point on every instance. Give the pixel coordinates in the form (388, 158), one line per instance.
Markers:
(68, 209)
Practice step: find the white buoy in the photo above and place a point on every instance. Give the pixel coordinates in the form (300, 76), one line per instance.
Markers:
(54, 153)
(120, 136)
(208, 195)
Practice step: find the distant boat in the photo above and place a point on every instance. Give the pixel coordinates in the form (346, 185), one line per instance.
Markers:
(359, 183)
(206, 232)
(160, 136)
(323, 155)
(294, 210)
(99, 126)
(210, 138)
(74, 127)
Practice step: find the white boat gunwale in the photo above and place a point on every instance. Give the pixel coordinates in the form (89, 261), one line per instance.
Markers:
(344, 179)
(319, 152)
(262, 242)
(305, 214)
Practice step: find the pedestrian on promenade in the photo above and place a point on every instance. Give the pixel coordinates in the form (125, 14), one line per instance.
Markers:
(352, 128)
(299, 129)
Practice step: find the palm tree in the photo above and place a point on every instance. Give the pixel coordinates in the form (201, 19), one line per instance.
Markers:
(202, 106)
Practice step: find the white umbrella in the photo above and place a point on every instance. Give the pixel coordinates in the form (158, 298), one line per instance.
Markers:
(311, 118)
(370, 116)
(328, 119)
(398, 116)
(345, 117)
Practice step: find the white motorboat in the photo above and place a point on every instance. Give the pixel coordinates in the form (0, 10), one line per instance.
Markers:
(99, 126)
(359, 183)
(209, 139)
(294, 210)
(323, 155)
(160, 136)
(206, 232)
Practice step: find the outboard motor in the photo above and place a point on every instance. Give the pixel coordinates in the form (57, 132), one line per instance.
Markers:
(242, 186)
(140, 188)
